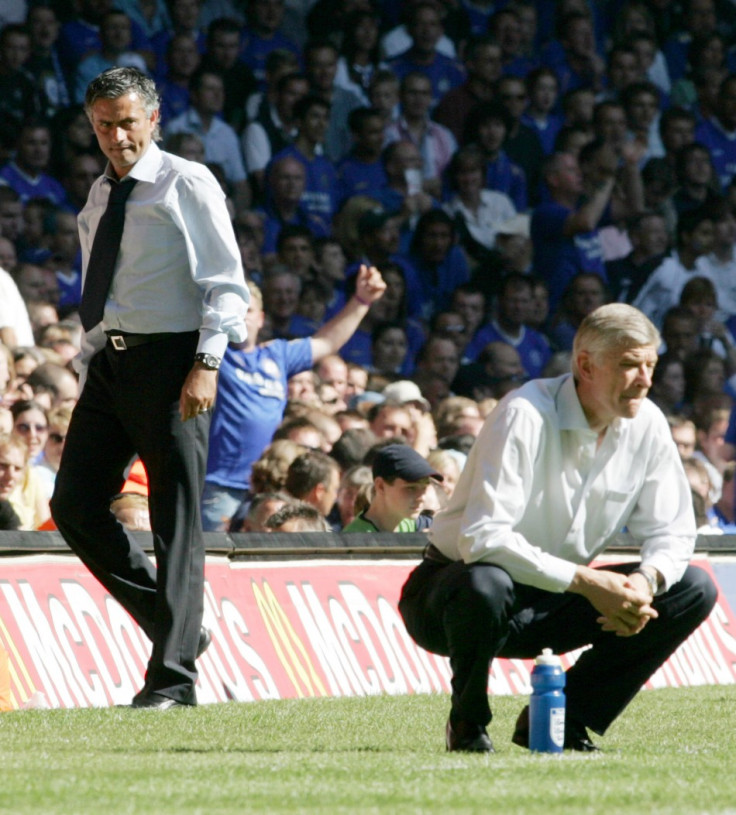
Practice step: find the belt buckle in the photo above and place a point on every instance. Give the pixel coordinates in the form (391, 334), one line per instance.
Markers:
(118, 342)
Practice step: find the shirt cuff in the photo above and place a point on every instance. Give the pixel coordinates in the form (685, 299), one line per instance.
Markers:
(212, 342)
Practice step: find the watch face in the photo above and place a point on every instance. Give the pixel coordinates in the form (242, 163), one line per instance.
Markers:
(209, 361)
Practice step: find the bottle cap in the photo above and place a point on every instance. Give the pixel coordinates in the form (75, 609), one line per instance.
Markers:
(548, 658)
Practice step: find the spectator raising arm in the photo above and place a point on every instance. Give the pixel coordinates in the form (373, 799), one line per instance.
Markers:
(334, 334)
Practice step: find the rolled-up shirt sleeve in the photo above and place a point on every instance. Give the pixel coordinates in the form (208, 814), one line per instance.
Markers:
(214, 260)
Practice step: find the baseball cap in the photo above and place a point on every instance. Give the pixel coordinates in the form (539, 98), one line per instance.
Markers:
(405, 391)
(401, 461)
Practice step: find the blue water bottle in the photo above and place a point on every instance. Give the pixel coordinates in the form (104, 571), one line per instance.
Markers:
(547, 704)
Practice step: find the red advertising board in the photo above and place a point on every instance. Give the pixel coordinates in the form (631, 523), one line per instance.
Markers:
(281, 630)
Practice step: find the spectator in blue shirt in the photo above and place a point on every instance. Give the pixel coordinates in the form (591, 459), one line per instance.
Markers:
(425, 28)
(311, 114)
(262, 35)
(361, 172)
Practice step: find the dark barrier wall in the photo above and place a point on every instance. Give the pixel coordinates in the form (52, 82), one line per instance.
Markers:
(292, 615)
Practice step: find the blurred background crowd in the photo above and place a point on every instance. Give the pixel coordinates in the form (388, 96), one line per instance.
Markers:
(508, 166)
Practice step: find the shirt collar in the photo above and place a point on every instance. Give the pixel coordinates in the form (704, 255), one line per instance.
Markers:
(571, 413)
(145, 168)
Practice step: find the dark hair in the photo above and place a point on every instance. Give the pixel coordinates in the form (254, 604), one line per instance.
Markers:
(431, 218)
(482, 114)
(306, 103)
(309, 470)
(358, 117)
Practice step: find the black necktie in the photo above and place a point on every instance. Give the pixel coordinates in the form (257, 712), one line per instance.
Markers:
(105, 248)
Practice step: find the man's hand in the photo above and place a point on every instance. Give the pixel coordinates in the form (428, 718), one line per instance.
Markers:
(624, 601)
(369, 285)
(198, 392)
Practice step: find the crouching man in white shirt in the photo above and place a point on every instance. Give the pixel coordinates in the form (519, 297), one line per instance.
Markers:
(560, 467)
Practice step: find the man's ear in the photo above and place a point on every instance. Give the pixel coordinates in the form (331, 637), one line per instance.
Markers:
(585, 365)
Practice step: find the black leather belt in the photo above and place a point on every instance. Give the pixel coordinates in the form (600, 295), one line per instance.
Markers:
(122, 342)
(431, 552)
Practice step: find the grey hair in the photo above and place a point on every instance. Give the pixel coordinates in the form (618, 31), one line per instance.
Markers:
(117, 82)
(613, 327)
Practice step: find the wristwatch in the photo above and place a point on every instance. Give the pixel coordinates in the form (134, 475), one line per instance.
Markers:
(651, 579)
(210, 361)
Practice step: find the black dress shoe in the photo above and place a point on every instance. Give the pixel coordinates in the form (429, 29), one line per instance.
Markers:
(576, 736)
(205, 638)
(465, 737)
(155, 701)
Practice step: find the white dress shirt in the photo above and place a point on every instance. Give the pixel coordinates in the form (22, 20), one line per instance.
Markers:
(179, 266)
(537, 496)
(663, 287)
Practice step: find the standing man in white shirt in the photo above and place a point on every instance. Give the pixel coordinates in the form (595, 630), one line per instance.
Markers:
(154, 337)
(560, 467)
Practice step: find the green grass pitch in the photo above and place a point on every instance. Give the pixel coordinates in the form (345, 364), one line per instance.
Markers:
(672, 751)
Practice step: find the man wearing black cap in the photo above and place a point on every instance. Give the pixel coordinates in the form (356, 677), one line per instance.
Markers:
(401, 480)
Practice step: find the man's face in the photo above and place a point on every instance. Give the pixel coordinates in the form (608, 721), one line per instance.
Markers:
(392, 421)
(65, 241)
(619, 383)
(183, 56)
(586, 295)
(8, 255)
(321, 68)
(680, 335)
(296, 253)
(329, 496)
(611, 125)
(370, 136)
(185, 13)
(402, 498)
(314, 124)
(12, 223)
(426, 30)
(684, 438)
(513, 96)
(624, 69)
(651, 237)
(115, 32)
(124, 130)
(712, 442)
(725, 229)
(567, 177)
(37, 284)
(301, 387)
(34, 150)
(291, 92)
(698, 168)
(267, 14)
(435, 243)
(334, 372)
(507, 32)
(505, 362)
(700, 240)
(209, 97)
(12, 463)
(643, 110)
(282, 295)
(16, 49)
(416, 97)
(287, 182)
(515, 304)
(470, 306)
(443, 359)
(225, 48)
(486, 63)
(43, 25)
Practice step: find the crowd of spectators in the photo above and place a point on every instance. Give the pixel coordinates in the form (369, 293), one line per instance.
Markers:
(508, 167)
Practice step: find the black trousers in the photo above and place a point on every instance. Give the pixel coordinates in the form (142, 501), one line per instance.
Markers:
(475, 612)
(129, 405)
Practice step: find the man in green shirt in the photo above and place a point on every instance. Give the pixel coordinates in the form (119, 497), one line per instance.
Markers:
(401, 480)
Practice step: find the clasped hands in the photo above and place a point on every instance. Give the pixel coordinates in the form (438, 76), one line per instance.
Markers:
(623, 601)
